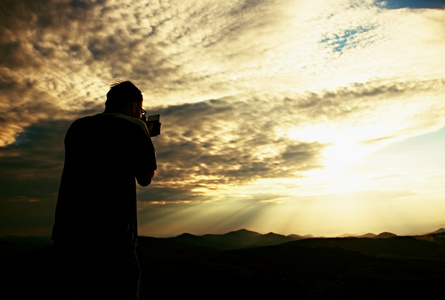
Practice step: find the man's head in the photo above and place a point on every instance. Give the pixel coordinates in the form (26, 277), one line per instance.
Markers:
(126, 98)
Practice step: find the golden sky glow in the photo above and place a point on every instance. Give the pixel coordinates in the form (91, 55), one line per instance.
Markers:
(306, 117)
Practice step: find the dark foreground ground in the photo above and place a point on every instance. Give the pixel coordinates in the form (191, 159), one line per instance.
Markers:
(267, 267)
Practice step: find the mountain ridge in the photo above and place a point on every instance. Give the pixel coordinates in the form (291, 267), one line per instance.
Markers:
(235, 239)
(244, 238)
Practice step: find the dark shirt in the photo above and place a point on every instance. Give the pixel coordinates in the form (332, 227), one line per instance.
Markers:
(96, 206)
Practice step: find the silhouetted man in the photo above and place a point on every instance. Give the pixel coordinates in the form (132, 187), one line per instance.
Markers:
(95, 230)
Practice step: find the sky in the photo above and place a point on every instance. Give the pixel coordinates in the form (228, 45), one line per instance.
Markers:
(286, 116)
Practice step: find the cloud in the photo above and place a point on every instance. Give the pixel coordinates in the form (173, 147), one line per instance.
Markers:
(184, 52)
(31, 167)
(30, 171)
(218, 144)
(35, 70)
(249, 91)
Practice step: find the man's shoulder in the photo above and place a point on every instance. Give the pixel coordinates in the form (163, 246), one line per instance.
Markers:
(86, 119)
(84, 122)
(123, 120)
(112, 119)
(107, 117)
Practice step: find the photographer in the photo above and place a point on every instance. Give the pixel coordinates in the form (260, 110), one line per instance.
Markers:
(95, 231)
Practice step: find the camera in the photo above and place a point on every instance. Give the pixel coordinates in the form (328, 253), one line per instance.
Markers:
(153, 124)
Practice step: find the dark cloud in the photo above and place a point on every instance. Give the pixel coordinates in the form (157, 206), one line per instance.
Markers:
(34, 37)
(167, 192)
(31, 167)
(28, 21)
(24, 105)
(30, 172)
(356, 100)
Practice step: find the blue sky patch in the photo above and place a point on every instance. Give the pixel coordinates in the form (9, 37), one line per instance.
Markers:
(346, 38)
(394, 4)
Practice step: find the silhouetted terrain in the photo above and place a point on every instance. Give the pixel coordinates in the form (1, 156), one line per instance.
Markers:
(248, 264)
(237, 239)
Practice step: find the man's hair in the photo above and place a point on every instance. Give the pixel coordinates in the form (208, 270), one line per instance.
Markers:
(122, 93)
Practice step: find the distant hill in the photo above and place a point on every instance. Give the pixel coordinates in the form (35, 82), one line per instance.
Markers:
(440, 230)
(246, 264)
(385, 235)
(384, 244)
(368, 235)
(236, 239)
(355, 267)
(420, 247)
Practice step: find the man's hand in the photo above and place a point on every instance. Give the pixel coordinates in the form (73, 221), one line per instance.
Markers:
(154, 127)
(145, 179)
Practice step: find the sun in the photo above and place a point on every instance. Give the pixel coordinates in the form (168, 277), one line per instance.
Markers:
(343, 154)
(346, 149)
(344, 146)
